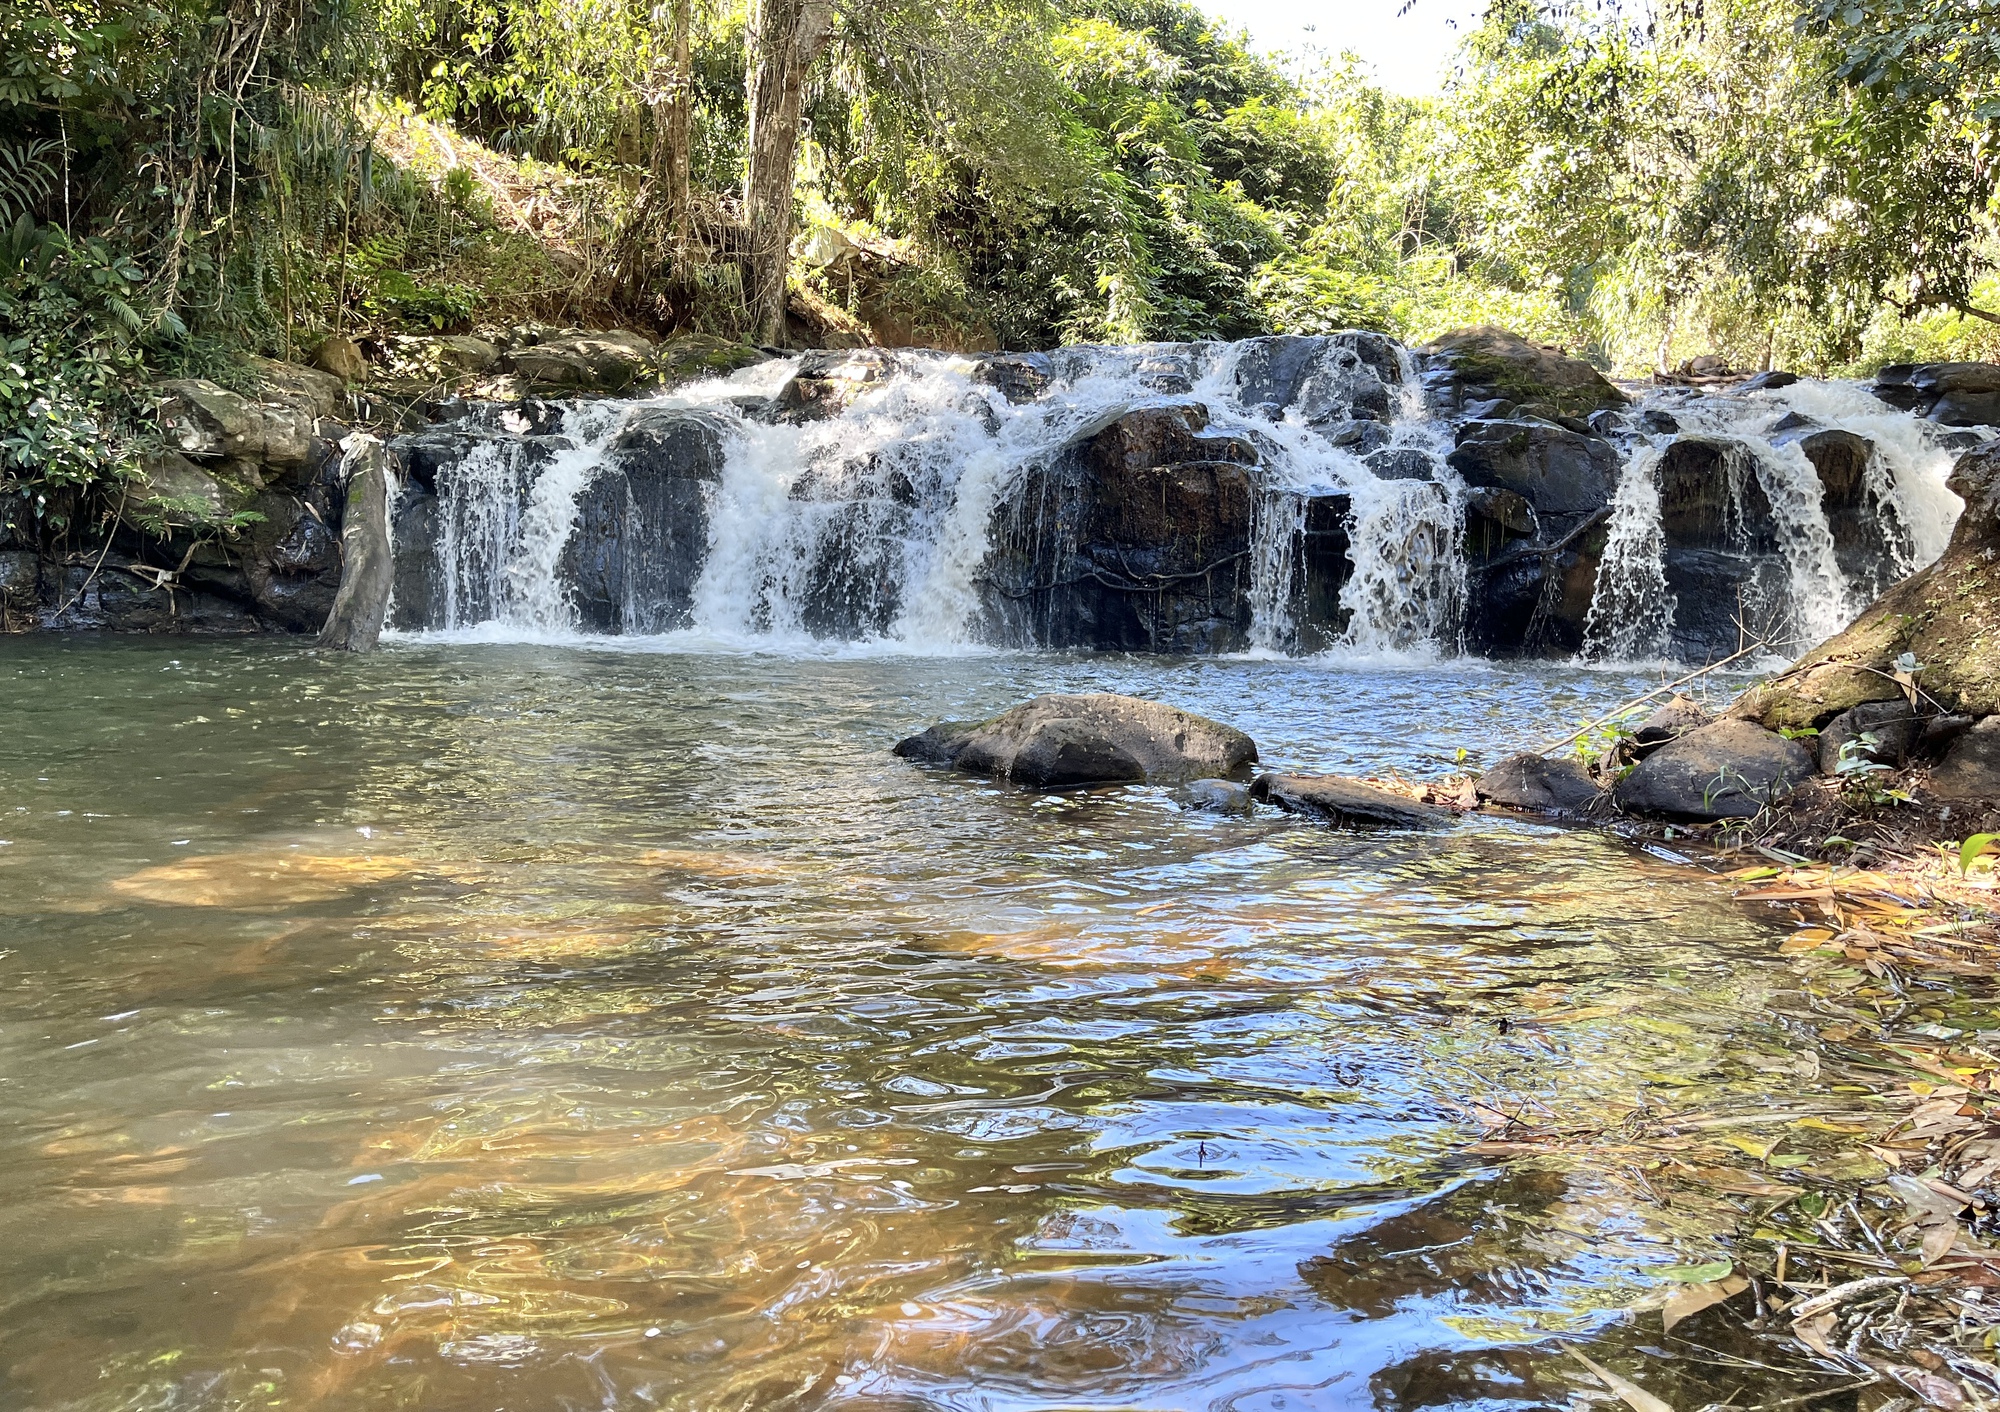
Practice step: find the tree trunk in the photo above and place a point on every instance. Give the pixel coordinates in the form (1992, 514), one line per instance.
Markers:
(368, 562)
(785, 37)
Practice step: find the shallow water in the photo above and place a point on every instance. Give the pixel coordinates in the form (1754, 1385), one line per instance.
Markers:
(536, 1027)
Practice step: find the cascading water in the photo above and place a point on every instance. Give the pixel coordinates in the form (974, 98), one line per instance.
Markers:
(877, 520)
(1821, 491)
(1280, 495)
(1632, 609)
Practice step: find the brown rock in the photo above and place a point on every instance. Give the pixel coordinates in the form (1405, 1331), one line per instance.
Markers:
(341, 356)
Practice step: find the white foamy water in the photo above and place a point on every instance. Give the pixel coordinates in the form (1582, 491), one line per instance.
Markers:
(1632, 610)
(1810, 597)
(876, 522)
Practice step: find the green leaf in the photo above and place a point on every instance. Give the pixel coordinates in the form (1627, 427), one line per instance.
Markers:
(1972, 848)
(1698, 1274)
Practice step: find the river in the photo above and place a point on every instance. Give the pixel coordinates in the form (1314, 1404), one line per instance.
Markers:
(562, 1027)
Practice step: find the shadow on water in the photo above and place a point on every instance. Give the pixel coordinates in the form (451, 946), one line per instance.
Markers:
(486, 1027)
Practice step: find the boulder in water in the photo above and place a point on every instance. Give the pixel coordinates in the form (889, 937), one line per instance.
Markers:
(1970, 770)
(1491, 362)
(1729, 769)
(1557, 471)
(1943, 620)
(1955, 394)
(1215, 796)
(1135, 536)
(1346, 803)
(1056, 741)
(827, 381)
(1767, 382)
(1540, 785)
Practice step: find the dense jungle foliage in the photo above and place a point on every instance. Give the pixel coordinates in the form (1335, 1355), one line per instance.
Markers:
(186, 181)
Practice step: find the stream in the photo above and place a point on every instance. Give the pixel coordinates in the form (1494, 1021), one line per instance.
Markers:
(601, 1026)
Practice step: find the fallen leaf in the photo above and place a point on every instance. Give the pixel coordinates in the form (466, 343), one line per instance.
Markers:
(1629, 1392)
(1933, 1388)
(1696, 1298)
(1812, 1333)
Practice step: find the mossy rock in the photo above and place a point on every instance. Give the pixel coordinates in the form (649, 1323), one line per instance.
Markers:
(690, 357)
(1947, 617)
(1490, 363)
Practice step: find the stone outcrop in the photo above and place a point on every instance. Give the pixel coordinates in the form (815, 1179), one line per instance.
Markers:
(1346, 803)
(1540, 785)
(1059, 741)
(1135, 536)
(1956, 394)
(1493, 365)
(1943, 620)
(1730, 769)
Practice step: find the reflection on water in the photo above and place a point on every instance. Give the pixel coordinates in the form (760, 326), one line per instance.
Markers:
(537, 1028)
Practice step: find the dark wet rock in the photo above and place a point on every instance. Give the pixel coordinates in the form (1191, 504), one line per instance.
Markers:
(1658, 422)
(1894, 727)
(122, 596)
(1557, 471)
(1135, 536)
(1671, 721)
(1970, 770)
(1765, 382)
(827, 381)
(642, 523)
(1492, 362)
(1608, 423)
(1401, 463)
(1869, 539)
(1362, 438)
(938, 744)
(1940, 732)
(1540, 785)
(1018, 377)
(1954, 394)
(1946, 618)
(1321, 380)
(1057, 741)
(1346, 803)
(1491, 409)
(1214, 796)
(1506, 508)
(1730, 769)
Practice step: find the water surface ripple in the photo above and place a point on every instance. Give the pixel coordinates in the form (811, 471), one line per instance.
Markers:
(483, 1027)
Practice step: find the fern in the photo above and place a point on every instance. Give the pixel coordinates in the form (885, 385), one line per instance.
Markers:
(26, 177)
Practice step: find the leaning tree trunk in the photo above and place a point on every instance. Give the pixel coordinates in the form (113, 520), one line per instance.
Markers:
(785, 37)
(368, 562)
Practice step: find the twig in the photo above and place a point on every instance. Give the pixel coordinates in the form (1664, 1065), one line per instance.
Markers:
(1639, 701)
(124, 489)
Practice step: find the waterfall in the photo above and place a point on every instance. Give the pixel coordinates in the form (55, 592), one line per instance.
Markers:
(1802, 581)
(1631, 607)
(876, 521)
(1275, 495)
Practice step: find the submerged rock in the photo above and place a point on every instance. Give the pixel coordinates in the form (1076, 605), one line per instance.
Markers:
(1055, 741)
(1215, 796)
(1346, 803)
(1539, 784)
(1730, 769)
